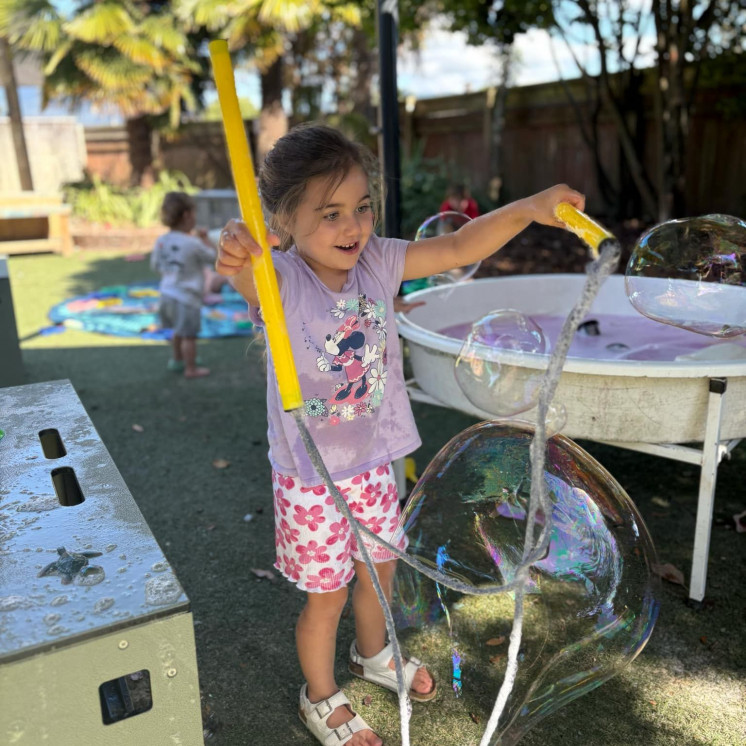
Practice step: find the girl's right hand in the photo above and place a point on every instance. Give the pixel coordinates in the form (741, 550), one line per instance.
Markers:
(236, 247)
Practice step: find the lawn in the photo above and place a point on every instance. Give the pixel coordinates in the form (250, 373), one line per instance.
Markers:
(686, 687)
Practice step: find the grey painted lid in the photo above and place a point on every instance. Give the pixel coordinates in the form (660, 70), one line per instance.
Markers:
(78, 570)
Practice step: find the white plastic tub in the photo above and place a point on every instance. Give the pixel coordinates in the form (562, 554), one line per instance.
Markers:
(605, 400)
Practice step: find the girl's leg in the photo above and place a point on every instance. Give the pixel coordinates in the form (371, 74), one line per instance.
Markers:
(316, 638)
(370, 624)
(176, 352)
(189, 353)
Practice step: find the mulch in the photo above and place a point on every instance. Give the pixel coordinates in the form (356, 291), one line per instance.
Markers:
(543, 250)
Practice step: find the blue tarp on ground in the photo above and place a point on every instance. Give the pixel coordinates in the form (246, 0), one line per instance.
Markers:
(132, 311)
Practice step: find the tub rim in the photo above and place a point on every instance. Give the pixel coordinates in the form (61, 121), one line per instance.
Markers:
(432, 340)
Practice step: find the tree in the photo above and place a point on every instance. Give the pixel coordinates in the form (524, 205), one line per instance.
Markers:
(686, 34)
(264, 32)
(129, 54)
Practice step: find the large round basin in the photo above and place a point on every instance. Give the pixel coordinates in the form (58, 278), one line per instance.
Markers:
(628, 400)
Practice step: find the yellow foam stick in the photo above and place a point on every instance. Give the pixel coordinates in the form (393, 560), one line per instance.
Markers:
(251, 211)
(410, 470)
(582, 226)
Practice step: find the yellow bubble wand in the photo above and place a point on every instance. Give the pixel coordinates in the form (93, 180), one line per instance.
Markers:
(583, 227)
(265, 278)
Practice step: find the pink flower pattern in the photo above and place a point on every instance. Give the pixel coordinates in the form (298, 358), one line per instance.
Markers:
(308, 524)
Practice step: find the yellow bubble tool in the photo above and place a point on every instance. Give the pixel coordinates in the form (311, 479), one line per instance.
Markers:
(583, 227)
(251, 211)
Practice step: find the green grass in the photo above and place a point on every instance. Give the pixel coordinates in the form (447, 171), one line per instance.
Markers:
(685, 688)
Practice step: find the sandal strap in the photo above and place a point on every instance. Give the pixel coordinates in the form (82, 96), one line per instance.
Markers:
(320, 711)
(381, 660)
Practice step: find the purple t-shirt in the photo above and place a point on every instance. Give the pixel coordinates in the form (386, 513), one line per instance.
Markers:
(349, 364)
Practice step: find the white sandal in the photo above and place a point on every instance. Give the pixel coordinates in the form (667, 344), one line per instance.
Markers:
(314, 715)
(376, 670)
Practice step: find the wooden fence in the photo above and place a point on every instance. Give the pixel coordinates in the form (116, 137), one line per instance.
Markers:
(541, 145)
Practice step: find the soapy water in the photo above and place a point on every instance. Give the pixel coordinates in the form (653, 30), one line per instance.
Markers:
(439, 225)
(627, 337)
(690, 273)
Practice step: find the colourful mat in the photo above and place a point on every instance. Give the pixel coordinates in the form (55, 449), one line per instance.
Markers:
(132, 311)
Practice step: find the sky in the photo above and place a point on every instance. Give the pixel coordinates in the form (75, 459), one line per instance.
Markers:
(444, 65)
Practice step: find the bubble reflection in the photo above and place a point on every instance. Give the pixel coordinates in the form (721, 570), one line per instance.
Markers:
(690, 273)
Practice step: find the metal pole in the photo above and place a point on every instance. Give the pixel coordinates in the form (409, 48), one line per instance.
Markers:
(388, 115)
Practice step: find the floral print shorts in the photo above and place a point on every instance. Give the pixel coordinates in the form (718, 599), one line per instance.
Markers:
(314, 542)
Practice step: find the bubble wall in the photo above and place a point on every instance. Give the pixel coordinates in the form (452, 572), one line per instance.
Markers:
(690, 273)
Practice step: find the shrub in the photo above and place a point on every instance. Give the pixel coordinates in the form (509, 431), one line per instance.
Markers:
(99, 202)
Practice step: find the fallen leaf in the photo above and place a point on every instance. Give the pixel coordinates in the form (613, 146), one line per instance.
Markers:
(138, 428)
(474, 717)
(653, 702)
(496, 658)
(221, 463)
(268, 574)
(670, 573)
(661, 502)
(496, 640)
(367, 699)
(703, 640)
(210, 527)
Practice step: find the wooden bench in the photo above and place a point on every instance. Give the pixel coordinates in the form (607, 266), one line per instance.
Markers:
(32, 222)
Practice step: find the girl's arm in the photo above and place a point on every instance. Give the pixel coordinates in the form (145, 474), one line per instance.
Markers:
(235, 249)
(486, 234)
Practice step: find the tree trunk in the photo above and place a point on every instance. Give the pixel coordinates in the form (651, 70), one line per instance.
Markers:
(273, 121)
(8, 79)
(139, 137)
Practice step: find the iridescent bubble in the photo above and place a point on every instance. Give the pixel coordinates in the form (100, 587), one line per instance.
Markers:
(591, 598)
(690, 273)
(492, 369)
(438, 225)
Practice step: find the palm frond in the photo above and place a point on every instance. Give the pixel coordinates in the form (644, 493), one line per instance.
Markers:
(102, 23)
(62, 51)
(33, 25)
(161, 31)
(212, 14)
(112, 70)
(141, 51)
(288, 15)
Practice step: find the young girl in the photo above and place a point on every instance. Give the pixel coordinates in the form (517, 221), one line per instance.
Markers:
(337, 283)
(181, 259)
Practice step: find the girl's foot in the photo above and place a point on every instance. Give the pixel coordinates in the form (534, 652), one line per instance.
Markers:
(380, 669)
(422, 683)
(196, 372)
(332, 720)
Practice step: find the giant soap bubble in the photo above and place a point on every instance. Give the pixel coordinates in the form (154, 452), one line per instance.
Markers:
(690, 273)
(590, 605)
(438, 225)
(491, 368)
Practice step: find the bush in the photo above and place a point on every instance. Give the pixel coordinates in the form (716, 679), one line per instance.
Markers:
(98, 202)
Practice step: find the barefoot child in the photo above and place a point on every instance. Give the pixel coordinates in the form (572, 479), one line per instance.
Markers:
(181, 258)
(338, 281)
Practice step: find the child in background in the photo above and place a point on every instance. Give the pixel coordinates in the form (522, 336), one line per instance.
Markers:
(337, 283)
(181, 258)
(458, 199)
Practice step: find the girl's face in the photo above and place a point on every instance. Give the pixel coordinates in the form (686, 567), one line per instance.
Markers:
(331, 233)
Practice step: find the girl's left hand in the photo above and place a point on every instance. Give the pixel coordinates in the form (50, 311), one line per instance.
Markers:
(541, 206)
